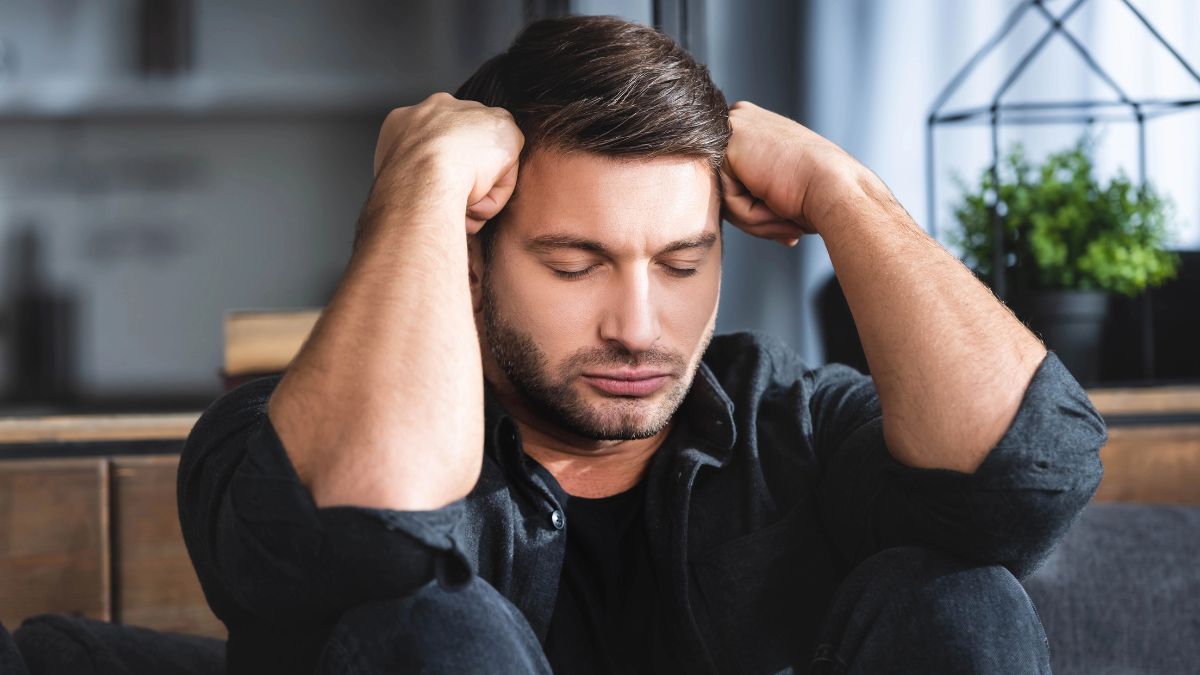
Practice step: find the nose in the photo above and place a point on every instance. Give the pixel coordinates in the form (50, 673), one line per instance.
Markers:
(631, 319)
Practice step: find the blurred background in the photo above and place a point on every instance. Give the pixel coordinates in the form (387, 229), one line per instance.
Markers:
(180, 180)
(165, 161)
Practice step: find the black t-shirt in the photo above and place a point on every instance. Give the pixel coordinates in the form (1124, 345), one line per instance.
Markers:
(607, 618)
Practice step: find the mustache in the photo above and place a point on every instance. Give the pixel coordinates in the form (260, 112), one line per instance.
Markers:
(603, 357)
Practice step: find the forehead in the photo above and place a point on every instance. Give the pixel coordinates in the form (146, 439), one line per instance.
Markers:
(630, 205)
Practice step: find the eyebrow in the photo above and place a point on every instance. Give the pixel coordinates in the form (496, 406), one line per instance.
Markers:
(546, 243)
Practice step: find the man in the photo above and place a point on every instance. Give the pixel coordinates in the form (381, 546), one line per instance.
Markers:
(516, 449)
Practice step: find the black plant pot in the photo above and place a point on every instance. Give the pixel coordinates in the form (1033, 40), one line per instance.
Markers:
(1070, 323)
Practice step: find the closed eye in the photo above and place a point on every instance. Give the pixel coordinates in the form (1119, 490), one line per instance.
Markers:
(681, 272)
(566, 274)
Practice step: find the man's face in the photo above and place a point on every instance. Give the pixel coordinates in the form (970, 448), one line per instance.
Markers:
(601, 292)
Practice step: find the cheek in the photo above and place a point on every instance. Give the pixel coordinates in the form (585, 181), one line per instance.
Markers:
(558, 316)
(689, 308)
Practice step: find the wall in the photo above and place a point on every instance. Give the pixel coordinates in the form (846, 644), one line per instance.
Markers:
(163, 202)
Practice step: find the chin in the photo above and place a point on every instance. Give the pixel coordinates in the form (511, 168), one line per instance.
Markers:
(634, 418)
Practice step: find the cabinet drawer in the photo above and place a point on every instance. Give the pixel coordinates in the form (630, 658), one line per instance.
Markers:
(54, 538)
(155, 583)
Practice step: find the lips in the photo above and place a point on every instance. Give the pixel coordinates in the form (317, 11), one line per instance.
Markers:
(628, 374)
(628, 382)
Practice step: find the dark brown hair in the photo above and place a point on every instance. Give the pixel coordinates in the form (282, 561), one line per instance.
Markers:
(604, 85)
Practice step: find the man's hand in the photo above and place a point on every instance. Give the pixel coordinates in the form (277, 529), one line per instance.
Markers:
(780, 178)
(951, 363)
(474, 147)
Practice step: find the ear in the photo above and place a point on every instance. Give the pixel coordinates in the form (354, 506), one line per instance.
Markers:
(475, 271)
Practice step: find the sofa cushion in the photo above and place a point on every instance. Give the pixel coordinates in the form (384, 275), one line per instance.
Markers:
(54, 644)
(1121, 593)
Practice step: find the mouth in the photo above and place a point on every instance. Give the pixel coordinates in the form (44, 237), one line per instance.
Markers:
(628, 382)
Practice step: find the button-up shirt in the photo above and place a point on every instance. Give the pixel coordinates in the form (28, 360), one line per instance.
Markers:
(774, 482)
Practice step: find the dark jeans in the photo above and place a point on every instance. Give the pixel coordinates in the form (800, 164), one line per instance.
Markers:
(914, 610)
(904, 610)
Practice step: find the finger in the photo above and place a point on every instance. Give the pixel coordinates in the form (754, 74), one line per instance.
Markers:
(746, 217)
(751, 216)
(506, 183)
(731, 186)
(484, 209)
(474, 225)
(746, 209)
(491, 203)
(750, 212)
(776, 231)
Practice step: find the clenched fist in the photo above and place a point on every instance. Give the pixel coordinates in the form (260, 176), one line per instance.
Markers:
(780, 177)
(471, 149)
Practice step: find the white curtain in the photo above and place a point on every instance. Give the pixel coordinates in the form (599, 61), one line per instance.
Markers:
(864, 73)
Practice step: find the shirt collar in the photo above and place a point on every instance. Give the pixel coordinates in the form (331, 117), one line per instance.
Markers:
(710, 412)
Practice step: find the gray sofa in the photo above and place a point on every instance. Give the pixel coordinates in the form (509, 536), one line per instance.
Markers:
(1120, 594)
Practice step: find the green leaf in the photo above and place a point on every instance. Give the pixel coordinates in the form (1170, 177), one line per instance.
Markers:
(1062, 229)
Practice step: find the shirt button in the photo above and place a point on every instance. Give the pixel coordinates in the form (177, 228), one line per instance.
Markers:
(557, 520)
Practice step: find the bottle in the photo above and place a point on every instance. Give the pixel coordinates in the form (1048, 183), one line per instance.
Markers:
(42, 323)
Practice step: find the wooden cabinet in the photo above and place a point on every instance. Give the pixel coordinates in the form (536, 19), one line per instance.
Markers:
(97, 535)
(54, 538)
(155, 584)
(1153, 450)
(1151, 464)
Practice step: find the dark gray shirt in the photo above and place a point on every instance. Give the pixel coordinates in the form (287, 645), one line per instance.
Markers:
(774, 481)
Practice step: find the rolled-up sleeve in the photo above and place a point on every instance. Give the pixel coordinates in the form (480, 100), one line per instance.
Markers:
(1012, 511)
(261, 547)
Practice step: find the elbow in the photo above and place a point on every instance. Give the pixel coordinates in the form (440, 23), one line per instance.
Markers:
(1036, 481)
(1043, 498)
(1038, 521)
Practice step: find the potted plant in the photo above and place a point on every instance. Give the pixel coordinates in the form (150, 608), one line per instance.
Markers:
(1069, 243)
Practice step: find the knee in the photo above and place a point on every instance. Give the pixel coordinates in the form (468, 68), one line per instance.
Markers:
(915, 609)
(943, 589)
(468, 629)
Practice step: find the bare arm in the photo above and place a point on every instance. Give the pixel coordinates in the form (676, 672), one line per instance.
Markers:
(950, 362)
(383, 406)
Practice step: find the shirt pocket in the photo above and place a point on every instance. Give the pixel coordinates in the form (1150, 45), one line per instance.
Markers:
(767, 592)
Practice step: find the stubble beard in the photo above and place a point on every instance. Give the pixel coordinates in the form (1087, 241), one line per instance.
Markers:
(554, 397)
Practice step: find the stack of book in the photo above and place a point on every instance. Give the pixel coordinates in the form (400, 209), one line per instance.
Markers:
(260, 343)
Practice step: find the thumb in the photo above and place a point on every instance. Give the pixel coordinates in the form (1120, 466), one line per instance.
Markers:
(495, 199)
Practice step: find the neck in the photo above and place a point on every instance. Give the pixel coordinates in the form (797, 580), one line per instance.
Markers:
(593, 470)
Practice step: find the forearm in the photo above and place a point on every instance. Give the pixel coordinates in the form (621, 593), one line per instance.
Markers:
(950, 362)
(383, 406)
